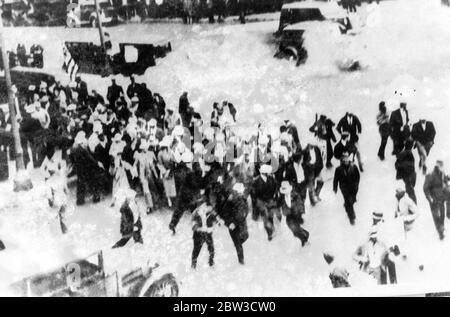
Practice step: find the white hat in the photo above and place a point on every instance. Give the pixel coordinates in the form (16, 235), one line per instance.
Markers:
(44, 98)
(166, 141)
(265, 169)
(239, 187)
(400, 186)
(152, 122)
(72, 107)
(32, 88)
(198, 148)
(178, 131)
(135, 99)
(97, 127)
(263, 139)
(209, 133)
(43, 85)
(117, 137)
(285, 187)
(187, 157)
(220, 137)
(144, 145)
(80, 138)
(73, 84)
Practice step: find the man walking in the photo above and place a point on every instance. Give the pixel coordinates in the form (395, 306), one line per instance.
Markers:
(347, 177)
(423, 133)
(437, 193)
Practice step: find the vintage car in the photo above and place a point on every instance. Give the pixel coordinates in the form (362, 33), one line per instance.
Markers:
(297, 17)
(127, 59)
(101, 274)
(82, 13)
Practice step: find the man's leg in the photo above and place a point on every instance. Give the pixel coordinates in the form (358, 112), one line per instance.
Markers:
(267, 218)
(435, 212)
(235, 236)
(319, 185)
(176, 216)
(122, 241)
(210, 244)
(81, 191)
(382, 148)
(348, 204)
(62, 219)
(297, 230)
(410, 182)
(198, 243)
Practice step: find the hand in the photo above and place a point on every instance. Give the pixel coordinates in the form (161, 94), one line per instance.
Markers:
(232, 226)
(135, 228)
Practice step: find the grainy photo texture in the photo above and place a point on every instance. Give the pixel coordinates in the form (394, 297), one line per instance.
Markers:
(224, 148)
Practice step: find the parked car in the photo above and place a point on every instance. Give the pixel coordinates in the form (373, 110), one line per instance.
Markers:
(297, 17)
(101, 274)
(82, 13)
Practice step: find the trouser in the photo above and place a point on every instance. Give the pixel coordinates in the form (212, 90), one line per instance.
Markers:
(82, 188)
(297, 230)
(399, 144)
(329, 152)
(178, 213)
(349, 201)
(136, 235)
(377, 274)
(410, 183)
(268, 210)
(314, 186)
(438, 213)
(423, 150)
(200, 238)
(358, 157)
(62, 219)
(237, 241)
(382, 148)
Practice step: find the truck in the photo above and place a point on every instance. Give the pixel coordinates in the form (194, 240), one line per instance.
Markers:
(100, 274)
(82, 13)
(298, 17)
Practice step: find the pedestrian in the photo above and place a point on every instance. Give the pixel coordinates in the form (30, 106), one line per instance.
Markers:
(438, 195)
(406, 211)
(233, 211)
(345, 146)
(323, 130)
(312, 164)
(166, 165)
(130, 220)
(115, 91)
(351, 124)
(405, 167)
(56, 189)
(81, 89)
(264, 192)
(183, 106)
(347, 177)
(291, 129)
(293, 207)
(371, 256)
(203, 219)
(423, 134)
(383, 128)
(398, 122)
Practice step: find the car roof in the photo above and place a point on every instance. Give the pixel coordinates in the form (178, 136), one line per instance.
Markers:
(308, 25)
(329, 9)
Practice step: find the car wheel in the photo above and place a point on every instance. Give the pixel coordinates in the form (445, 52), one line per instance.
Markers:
(167, 286)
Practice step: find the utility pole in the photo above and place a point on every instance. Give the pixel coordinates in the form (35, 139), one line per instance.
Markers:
(100, 27)
(21, 181)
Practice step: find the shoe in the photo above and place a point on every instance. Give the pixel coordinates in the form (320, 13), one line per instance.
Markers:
(270, 238)
(352, 222)
(381, 157)
(173, 230)
(80, 202)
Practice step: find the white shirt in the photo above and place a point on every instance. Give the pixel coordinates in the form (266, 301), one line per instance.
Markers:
(350, 120)
(312, 154)
(299, 172)
(403, 113)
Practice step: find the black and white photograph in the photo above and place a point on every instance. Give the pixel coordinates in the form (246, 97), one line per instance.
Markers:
(224, 148)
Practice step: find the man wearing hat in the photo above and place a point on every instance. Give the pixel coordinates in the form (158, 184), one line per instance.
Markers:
(188, 185)
(423, 134)
(406, 169)
(400, 131)
(347, 177)
(81, 89)
(437, 193)
(87, 169)
(232, 207)
(312, 164)
(130, 220)
(371, 257)
(344, 145)
(323, 130)
(293, 207)
(114, 92)
(264, 191)
(351, 124)
(133, 88)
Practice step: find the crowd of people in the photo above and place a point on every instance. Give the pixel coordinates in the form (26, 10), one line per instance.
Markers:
(131, 144)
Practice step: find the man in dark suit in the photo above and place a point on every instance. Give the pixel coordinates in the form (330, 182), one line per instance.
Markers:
(133, 88)
(312, 164)
(351, 124)
(399, 128)
(423, 133)
(82, 90)
(405, 166)
(114, 93)
(347, 177)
